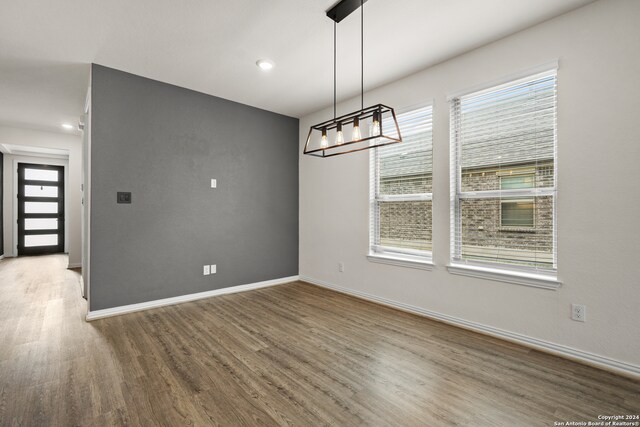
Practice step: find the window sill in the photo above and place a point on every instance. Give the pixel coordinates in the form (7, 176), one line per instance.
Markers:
(402, 261)
(507, 228)
(519, 278)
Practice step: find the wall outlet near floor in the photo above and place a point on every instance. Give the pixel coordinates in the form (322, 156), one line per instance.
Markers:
(341, 267)
(213, 269)
(579, 312)
(206, 270)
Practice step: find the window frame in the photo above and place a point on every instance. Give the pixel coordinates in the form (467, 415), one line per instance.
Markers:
(513, 273)
(386, 254)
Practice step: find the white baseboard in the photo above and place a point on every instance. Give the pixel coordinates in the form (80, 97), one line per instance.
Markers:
(74, 265)
(619, 367)
(116, 311)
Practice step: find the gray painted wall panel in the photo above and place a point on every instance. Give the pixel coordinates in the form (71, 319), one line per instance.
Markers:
(164, 144)
(1, 204)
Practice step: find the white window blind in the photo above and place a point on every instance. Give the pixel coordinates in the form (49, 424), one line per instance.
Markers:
(503, 176)
(401, 189)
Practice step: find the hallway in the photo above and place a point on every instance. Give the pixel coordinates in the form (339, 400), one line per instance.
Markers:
(45, 341)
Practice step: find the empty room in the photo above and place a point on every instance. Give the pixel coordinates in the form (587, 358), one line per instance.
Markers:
(320, 212)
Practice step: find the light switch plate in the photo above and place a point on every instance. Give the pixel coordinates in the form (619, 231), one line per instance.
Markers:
(214, 269)
(124, 197)
(214, 183)
(206, 270)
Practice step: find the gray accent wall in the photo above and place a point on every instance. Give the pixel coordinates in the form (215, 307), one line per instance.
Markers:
(164, 144)
(1, 204)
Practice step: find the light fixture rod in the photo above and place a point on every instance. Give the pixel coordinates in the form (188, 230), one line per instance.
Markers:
(361, 54)
(335, 25)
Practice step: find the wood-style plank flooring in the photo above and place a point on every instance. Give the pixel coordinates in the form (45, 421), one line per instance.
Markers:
(292, 354)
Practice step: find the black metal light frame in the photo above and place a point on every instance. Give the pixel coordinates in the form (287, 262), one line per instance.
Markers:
(337, 13)
(348, 119)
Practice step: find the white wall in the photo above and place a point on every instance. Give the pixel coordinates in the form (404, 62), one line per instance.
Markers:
(36, 138)
(598, 50)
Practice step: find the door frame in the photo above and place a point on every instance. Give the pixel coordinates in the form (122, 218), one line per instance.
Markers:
(39, 161)
(23, 215)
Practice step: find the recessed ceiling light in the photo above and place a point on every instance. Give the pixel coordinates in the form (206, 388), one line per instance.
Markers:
(67, 126)
(264, 64)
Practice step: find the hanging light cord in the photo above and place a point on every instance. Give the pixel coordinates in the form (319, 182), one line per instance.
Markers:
(334, 69)
(362, 54)
(361, 61)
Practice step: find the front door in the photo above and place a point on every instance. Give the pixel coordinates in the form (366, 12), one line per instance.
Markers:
(40, 209)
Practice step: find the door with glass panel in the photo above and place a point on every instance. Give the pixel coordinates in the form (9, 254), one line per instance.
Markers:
(40, 209)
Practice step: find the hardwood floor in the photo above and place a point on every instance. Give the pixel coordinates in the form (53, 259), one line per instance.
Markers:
(293, 354)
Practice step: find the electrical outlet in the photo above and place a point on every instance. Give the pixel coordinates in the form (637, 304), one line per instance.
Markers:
(578, 312)
(213, 269)
(206, 270)
(214, 183)
(341, 267)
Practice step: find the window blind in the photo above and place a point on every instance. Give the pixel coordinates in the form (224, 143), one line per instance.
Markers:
(401, 189)
(503, 175)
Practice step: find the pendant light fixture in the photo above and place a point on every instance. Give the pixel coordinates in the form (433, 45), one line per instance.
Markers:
(362, 129)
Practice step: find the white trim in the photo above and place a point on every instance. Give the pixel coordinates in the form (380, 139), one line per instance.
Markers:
(404, 197)
(516, 192)
(74, 265)
(525, 73)
(602, 362)
(86, 194)
(34, 151)
(401, 260)
(518, 277)
(131, 308)
(415, 254)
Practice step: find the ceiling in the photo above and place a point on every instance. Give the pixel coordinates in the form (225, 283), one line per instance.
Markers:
(211, 46)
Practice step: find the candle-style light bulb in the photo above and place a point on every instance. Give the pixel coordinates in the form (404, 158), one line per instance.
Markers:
(375, 126)
(356, 135)
(324, 142)
(339, 135)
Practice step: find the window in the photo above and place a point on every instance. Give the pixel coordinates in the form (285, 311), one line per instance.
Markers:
(503, 142)
(510, 182)
(401, 191)
(517, 213)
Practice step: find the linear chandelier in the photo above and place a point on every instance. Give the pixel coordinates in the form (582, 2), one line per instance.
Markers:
(362, 129)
